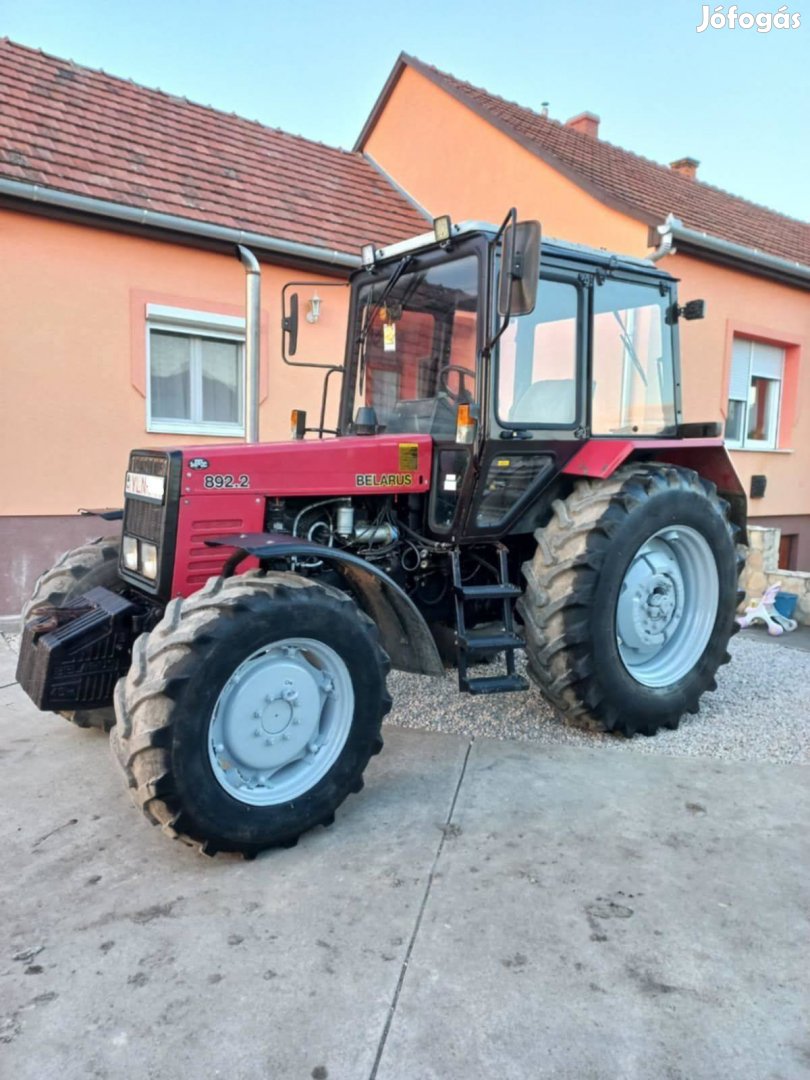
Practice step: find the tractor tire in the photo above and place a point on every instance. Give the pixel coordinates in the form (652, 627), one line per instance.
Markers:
(251, 711)
(86, 567)
(630, 599)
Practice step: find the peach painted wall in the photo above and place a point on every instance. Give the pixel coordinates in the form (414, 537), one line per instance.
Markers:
(751, 307)
(72, 344)
(453, 162)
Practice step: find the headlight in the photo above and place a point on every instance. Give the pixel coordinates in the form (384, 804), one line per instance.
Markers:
(149, 560)
(129, 549)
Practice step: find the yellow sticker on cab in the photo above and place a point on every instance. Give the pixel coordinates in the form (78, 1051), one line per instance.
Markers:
(408, 456)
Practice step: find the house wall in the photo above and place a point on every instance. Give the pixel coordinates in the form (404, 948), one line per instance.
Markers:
(72, 347)
(453, 161)
(752, 307)
(796, 526)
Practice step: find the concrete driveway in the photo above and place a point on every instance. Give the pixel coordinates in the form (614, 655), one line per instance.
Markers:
(483, 909)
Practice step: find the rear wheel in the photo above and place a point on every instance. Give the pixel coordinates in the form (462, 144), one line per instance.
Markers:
(251, 711)
(630, 599)
(86, 567)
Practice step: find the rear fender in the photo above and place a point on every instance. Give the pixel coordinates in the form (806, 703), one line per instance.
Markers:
(600, 458)
(404, 632)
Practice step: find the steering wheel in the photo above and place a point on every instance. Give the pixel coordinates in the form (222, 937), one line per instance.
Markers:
(462, 395)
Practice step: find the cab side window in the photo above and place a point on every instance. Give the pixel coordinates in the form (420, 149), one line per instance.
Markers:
(633, 384)
(538, 359)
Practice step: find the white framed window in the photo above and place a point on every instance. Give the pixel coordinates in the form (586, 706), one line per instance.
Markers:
(195, 371)
(754, 395)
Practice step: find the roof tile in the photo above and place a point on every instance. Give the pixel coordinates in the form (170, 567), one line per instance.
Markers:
(88, 133)
(649, 190)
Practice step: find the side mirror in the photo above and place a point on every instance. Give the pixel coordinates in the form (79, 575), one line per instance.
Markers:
(520, 269)
(694, 309)
(289, 325)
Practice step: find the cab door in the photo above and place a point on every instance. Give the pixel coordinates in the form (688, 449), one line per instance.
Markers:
(538, 402)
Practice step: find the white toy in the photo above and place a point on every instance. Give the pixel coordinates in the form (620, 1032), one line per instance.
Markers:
(763, 611)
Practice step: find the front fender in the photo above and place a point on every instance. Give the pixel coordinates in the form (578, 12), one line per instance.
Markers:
(404, 632)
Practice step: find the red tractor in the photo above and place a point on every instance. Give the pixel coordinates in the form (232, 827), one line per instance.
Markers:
(509, 470)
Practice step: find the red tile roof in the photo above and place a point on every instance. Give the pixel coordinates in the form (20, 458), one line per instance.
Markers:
(88, 133)
(640, 187)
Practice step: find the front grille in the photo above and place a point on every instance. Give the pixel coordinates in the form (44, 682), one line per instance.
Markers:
(143, 519)
(151, 521)
(151, 464)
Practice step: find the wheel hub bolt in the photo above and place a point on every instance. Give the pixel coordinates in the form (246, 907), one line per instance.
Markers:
(290, 695)
(270, 741)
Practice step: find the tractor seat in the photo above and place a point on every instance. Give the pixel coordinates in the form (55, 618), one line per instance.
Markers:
(547, 401)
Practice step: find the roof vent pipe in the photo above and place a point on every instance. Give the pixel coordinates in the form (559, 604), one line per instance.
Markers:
(253, 294)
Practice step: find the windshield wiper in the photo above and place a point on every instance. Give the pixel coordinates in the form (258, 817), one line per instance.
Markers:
(371, 314)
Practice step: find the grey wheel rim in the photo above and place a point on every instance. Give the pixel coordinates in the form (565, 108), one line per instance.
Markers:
(667, 606)
(281, 721)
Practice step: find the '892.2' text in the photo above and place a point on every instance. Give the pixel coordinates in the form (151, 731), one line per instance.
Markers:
(226, 480)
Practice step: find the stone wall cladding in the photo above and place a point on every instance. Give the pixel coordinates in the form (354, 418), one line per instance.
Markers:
(762, 570)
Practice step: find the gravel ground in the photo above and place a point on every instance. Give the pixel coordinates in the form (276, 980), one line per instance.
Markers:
(759, 712)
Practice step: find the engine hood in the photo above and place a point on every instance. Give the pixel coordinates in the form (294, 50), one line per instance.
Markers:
(343, 466)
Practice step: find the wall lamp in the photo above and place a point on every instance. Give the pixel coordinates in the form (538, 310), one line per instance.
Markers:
(314, 309)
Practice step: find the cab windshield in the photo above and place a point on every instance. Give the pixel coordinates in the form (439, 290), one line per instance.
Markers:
(417, 346)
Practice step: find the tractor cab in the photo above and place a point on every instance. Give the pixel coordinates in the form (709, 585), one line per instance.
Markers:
(511, 354)
(584, 346)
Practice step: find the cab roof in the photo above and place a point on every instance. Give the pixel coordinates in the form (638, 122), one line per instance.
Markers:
(550, 246)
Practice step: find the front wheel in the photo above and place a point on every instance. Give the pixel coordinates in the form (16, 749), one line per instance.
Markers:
(251, 711)
(630, 599)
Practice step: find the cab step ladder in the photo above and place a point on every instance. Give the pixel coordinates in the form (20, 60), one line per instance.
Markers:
(500, 639)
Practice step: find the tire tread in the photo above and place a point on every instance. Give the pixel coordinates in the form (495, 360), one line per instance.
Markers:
(141, 741)
(561, 581)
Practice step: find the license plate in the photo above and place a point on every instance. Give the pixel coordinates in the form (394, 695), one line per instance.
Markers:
(145, 486)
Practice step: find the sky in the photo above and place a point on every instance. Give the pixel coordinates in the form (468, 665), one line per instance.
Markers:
(735, 99)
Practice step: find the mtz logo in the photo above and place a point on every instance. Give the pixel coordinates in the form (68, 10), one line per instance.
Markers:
(198, 463)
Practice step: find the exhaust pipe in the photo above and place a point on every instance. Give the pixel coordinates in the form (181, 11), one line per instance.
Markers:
(253, 293)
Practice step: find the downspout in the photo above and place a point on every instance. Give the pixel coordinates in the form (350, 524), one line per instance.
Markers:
(665, 244)
(253, 288)
(752, 259)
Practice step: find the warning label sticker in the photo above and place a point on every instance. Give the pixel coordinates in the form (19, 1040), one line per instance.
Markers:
(408, 456)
